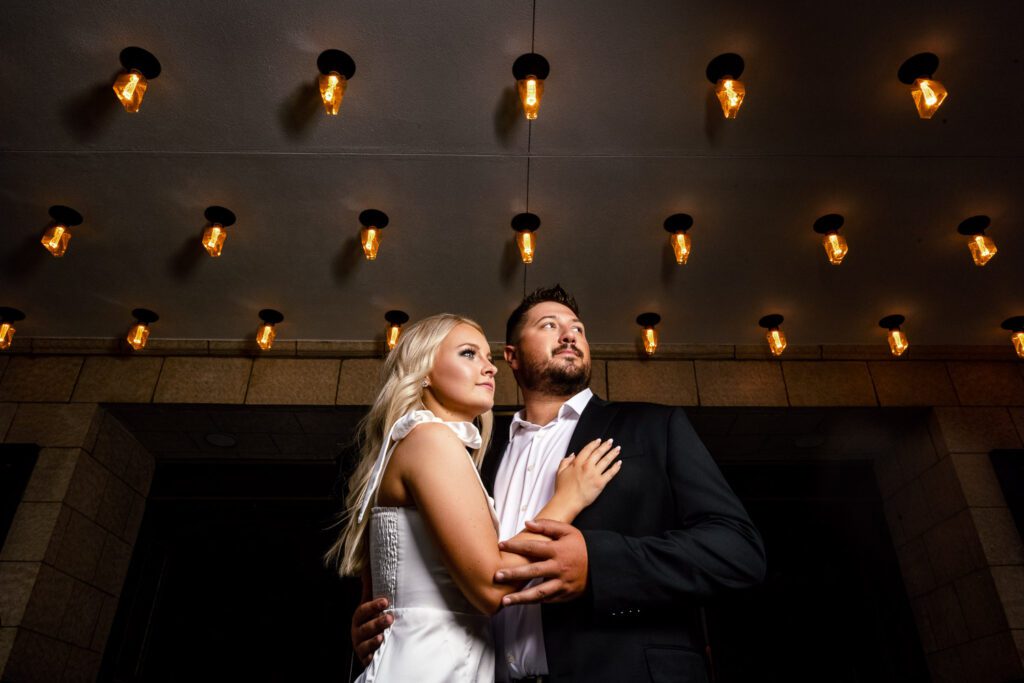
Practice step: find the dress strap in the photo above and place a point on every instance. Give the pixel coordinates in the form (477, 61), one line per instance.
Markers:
(466, 431)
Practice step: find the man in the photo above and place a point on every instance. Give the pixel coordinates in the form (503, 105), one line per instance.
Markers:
(615, 596)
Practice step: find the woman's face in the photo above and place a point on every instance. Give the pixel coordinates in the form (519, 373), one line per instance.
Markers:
(461, 383)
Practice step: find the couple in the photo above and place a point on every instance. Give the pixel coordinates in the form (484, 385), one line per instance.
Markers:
(631, 534)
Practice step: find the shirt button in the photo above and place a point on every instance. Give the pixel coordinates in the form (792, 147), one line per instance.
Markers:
(522, 508)
(511, 659)
(529, 468)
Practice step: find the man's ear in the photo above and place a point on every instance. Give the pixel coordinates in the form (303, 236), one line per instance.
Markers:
(510, 356)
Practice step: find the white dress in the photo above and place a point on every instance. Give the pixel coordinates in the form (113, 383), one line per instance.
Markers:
(437, 634)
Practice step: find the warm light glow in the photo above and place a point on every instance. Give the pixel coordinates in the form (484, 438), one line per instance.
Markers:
(776, 341)
(531, 89)
(138, 335)
(6, 335)
(370, 237)
(730, 94)
(650, 337)
(129, 87)
(527, 245)
(332, 90)
(982, 249)
(213, 239)
(56, 240)
(265, 336)
(835, 248)
(392, 335)
(928, 96)
(897, 342)
(680, 242)
(1017, 338)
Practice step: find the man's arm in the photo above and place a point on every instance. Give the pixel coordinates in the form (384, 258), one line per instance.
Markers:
(715, 546)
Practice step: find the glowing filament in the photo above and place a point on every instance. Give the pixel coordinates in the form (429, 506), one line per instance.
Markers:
(650, 338)
(835, 248)
(130, 86)
(392, 334)
(928, 96)
(1017, 338)
(982, 249)
(213, 239)
(680, 242)
(897, 342)
(56, 240)
(332, 90)
(730, 94)
(776, 341)
(265, 336)
(527, 245)
(6, 335)
(138, 335)
(370, 237)
(531, 89)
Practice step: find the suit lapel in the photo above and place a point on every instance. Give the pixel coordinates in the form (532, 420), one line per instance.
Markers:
(495, 451)
(593, 423)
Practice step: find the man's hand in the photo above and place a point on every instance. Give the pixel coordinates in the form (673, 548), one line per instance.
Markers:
(562, 561)
(368, 625)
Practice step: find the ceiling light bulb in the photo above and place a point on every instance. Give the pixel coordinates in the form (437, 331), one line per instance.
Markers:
(213, 239)
(56, 239)
(139, 332)
(730, 94)
(835, 248)
(1015, 326)
(775, 336)
(982, 249)
(1018, 342)
(395, 320)
(370, 239)
(267, 331)
(928, 96)
(898, 342)
(648, 335)
(680, 246)
(527, 245)
(6, 335)
(130, 87)
(8, 316)
(525, 225)
(530, 70)
(332, 90)
(676, 226)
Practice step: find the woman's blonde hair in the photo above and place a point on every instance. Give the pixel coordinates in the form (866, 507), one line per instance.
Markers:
(405, 368)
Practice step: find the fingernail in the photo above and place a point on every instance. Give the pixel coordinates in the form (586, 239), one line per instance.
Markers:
(506, 601)
(500, 576)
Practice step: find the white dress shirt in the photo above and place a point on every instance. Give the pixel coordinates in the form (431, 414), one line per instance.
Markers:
(524, 484)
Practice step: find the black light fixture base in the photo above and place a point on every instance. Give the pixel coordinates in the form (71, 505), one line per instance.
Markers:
(828, 224)
(975, 225)
(728, 65)
(144, 315)
(921, 65)
(219, 215)
(65, 215)
(525, 222)
(891, 322)
(338, 61)
(141, 60)
(530, 64)
(648, 319)
(10, 315)
(770, 321)
(373, 218)
(1014, 324)
(396, 317)
(270, 316)
(678, 222)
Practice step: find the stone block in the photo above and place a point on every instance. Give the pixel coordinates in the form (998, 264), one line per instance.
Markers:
(987, 384)
(30, 532)
(946, 667)
(135, 514)
(103, 623)
(912, 383)
(828, 383)
(359, 381)
(36, 658)
(55, 425)
(945, 617)
(293, 381)
(1009, 584)
(740, 383)
(85, 493)
(894, 522)
(912, 510)
(942, 492)
(50, 596)
(17, 580)
(993, 659)
(972, 430)
(248, 347)
(81, 615)
(979, 602)
(762, 352)
(915, 567)
(203, 380)
(83, 666)
(57, 537)
(671, 382)
(113, 565)
(7, 634)
(7, 411)
(888, 474)
(1017, 415)
(80, 548)
(115, 505)
(118, 379)
(954, 549)
(52, 474)
(978, 479)
(40, 378)
(999, 537)
(917, 453)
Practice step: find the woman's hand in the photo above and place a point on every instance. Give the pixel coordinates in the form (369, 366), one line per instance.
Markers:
(581, 478)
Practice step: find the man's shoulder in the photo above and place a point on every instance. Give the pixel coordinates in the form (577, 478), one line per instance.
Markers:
(637, 408)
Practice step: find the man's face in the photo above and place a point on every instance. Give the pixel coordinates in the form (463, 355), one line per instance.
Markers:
(552, 355)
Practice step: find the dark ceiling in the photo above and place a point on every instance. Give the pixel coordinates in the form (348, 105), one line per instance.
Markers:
(430, 132)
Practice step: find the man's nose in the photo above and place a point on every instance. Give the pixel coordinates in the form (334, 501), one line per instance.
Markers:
(568, 335)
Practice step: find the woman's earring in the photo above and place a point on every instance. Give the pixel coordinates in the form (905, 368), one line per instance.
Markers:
(425, 385)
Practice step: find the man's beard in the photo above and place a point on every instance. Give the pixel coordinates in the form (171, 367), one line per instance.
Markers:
(548, 376)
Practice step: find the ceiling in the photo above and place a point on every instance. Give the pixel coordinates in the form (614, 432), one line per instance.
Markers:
(430, 132)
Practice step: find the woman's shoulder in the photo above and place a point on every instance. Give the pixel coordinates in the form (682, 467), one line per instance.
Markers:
(430, 438)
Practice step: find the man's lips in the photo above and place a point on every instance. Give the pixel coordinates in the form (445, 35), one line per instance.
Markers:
(569, 352)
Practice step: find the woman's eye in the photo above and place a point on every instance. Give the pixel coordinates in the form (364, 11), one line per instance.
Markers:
(469, 353)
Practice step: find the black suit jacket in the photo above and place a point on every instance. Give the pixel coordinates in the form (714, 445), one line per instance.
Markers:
(666, 534)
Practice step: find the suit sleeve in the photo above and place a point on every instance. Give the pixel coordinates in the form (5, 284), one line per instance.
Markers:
(711, 545)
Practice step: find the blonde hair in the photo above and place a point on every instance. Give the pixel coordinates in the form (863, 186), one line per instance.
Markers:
(405, 368)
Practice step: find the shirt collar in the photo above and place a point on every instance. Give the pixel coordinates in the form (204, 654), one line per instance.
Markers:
(574, 405)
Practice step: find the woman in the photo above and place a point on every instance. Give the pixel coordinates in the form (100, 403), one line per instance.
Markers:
(430, 541)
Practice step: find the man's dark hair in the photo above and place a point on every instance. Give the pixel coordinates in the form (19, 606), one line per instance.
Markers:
(514, 326)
